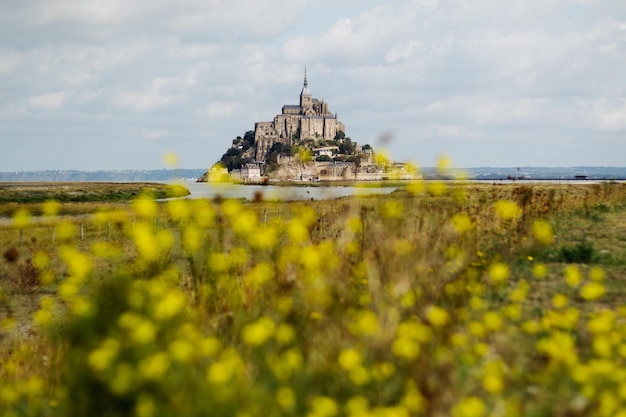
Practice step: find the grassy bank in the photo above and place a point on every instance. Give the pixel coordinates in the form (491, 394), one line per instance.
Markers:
(40, 192)
(462, 300)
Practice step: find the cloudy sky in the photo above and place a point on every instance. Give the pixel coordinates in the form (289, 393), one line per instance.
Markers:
(117, 84)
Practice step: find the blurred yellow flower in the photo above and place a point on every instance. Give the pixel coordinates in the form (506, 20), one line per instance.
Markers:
(350, 359)
(101, 358)
(493, 383)
(540, 271)
(469, 407)
(415, 187)
(170, 159)
(462, 222)
(498, 272)
(285, 334)
(259, 274)
(181, 350)
(572, 275)
(169, 306)
(437, 188)
(145, 206)
(542, 230)
(560, 301)
(492, 321)
(51, 208)
(365, 323)
(154, 367)
(437, 316)
(144, 407)
(357, 406)
(592, 291)
(443, 164)
(298, 231)
(259, 332)
(392, 209)
(507, 210)
(596, 274)
(406, 348)
(323, 407)
(21, 218)
(286, 398)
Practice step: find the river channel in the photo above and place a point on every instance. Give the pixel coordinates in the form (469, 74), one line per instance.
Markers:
(282, 193)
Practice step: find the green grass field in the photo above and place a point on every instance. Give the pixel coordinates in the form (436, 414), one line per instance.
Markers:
(435, 300)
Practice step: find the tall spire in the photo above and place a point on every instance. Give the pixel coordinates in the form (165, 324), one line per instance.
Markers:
(305, 89)
(306, 83)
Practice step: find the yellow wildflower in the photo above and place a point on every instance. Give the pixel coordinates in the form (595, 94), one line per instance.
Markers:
(592, 291)
(469, 407)
(540, 271)
(51, 208)
(406, 348)
(572, 276)
(259, 274)
(144, 407)
(542, 230)
(437, 316)
(559, 300)
(145, 207)
(498, 272)
(169, 306)
(323, 407)
(508, 210)
(101, 358)
(596, 274)
(21, 218)
(350, 359)
(154, 367)
(462, 222)
(259, 332)
(181, 350)
(286, 398)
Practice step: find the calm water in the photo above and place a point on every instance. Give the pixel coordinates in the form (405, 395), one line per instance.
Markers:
(272, 192)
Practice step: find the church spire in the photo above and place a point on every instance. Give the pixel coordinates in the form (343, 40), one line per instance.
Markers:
(305, 89)
(306, 83)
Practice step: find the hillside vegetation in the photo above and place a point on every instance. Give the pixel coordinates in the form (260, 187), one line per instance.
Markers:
(435, 300)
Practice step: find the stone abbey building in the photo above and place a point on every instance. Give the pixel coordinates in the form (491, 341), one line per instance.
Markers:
(310, 119)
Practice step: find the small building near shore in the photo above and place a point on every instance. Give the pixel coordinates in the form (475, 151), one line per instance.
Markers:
(251, 173)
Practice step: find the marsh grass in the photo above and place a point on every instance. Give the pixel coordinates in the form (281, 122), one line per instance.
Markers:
(35, 193)
(435, 300)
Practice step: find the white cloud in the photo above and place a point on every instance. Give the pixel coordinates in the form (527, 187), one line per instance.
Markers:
(9, 60)
(143, 102)
(83, 11)
(152, 134)
(402, 51)
(485, 110)
(47, 101)
(605, 114)
(194, 51)
(76, 79)
(450, 131)
(219, 110)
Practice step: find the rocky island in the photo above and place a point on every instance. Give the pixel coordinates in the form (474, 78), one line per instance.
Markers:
(305, 142)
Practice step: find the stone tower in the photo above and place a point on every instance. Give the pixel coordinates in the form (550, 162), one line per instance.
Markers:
(305, 97)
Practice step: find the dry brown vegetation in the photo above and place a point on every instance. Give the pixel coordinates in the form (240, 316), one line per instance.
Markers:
(463, 300)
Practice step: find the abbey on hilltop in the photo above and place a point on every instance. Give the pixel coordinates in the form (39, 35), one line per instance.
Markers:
(305, 142)
(310, 119)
